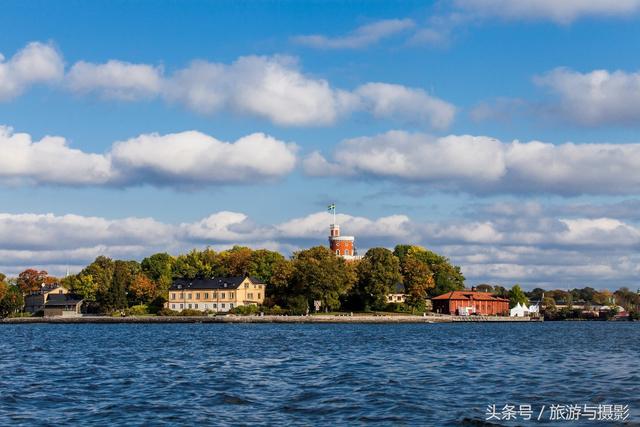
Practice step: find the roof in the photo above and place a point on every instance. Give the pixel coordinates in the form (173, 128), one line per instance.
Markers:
(59, 300)
(213, 283)
(469, 296)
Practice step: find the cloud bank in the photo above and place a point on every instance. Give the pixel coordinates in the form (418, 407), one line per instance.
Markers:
(185, 158)
(479, 164)
(272, 88)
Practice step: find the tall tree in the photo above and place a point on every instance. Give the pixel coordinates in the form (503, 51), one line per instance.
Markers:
(378, 273)
(142, 290)
(12, 301)
(318, 274)
(159, 267)
(516, 295)
(418, 279)
(447, 277)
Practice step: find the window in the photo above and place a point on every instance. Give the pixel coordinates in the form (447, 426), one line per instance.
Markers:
(215, 305)
(188, 296)
(230, 295)
(181, 306)
(173, 306)
(222, 296)
(215, 295)
(206, 295)
(246, 285)
(196, 305)
(173, 296)
(250, 295)
(258, 295)
(198, 295)
(231, 305)
(337, 251)
(222, 305)
(189, 305)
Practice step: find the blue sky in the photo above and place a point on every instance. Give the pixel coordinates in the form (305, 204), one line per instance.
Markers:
(402, 113)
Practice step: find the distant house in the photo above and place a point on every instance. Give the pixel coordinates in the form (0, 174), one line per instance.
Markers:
(397, 295)
(66, 305)
(470, 302)
(35, 301)
(218, 294)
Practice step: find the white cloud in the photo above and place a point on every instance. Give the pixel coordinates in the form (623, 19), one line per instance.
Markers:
(115, 79)
(273, 88)
(485, 165)
(361, 37)
(35, 63)
(596, 98)
(560, 11)
(185, 158)
(48, 161)
(406, 104)
(193, 157)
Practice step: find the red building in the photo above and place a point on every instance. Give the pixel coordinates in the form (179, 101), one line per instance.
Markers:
(470, 302)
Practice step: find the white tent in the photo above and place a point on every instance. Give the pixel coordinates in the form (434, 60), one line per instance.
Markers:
(520, 310)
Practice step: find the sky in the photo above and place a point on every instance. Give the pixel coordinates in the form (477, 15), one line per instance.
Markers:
(501, 134)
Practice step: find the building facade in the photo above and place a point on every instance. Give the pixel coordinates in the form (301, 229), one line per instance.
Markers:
(470, 302)
(65, 305)
(35, 301)
(218, 294)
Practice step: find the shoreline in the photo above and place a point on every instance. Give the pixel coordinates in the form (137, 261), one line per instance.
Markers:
(265, 319)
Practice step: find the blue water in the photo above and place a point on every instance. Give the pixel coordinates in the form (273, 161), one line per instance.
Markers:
(265, 374)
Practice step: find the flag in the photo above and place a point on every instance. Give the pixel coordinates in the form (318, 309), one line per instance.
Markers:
(331, 207)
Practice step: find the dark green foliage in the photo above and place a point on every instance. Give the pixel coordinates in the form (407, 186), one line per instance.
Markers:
(378, 273)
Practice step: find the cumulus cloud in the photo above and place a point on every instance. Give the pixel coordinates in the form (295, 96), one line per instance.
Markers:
(406, 104)
(35, 63)
(185, 158)
(595, 98)
(362, 36)
(563, 12)
(115, 79)
(273, 88)
(515, 244)
(485, 165)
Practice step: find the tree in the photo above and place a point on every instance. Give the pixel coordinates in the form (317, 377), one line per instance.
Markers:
(318, 274)
(418, 279)
(12, 301)
(159, 268)
(236, 261)
(142, 290)
(378, 273)
(124, 273)
(31, 280)
(483, 287)
(447, 277)
(516, 295)
(82, 285)
(278, 284)
(262, 264)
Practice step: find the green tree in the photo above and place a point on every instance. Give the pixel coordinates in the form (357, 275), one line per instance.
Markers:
(12, 301)
(262, 264)
(516, 295)
(83, 285)
(159, 268)
(447, 277)
(318, 274)
(378, 273)
(418, 279)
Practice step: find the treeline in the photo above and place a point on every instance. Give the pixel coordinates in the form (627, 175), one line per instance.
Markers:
(293, 284)
(578, 303)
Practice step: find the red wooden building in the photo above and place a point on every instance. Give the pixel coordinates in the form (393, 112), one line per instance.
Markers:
(470, 302)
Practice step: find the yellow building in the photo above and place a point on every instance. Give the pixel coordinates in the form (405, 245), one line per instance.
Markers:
(35, 301)
(397, 296)
(219, 294)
